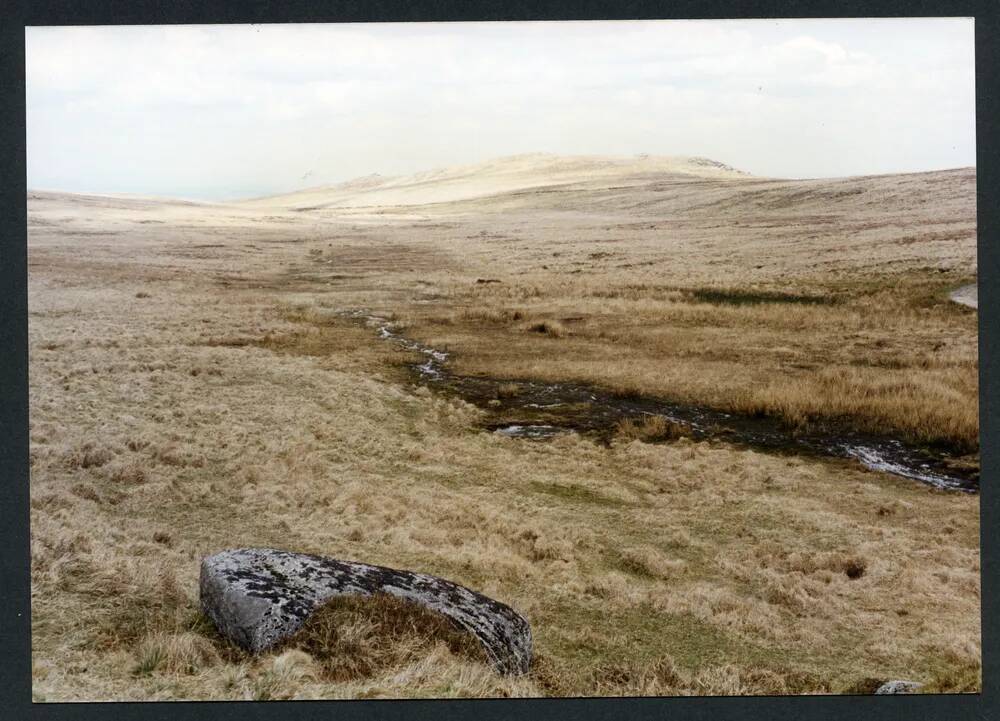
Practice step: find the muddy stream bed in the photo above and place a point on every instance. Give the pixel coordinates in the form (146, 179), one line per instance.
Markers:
(540, 410)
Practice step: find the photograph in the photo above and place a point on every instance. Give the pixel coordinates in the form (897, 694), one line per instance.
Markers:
(426, 360)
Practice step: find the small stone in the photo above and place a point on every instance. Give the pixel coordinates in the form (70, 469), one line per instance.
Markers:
(894, 687)
(257, 597)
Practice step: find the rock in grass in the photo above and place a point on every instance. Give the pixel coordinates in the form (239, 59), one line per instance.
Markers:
(257, 597)
(893, 687)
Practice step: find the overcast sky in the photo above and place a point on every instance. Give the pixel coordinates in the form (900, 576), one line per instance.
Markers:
(241, 110)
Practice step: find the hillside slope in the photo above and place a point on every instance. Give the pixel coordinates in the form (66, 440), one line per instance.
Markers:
(502, 175)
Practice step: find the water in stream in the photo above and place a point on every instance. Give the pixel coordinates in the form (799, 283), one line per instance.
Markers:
(544, 410)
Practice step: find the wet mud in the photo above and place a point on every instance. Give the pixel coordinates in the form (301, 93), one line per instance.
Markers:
(540, 410)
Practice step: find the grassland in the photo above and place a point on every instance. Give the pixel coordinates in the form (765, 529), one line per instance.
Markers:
(193, 388)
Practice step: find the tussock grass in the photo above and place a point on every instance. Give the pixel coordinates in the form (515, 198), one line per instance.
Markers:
(85, 491)
(647, 562)
(668, 568)
(662, 677)
(88, 455)
(491, 315)
(651, 429)
(508, 390)
(963, 675)
(185, 653)
(128, 472)
(575, 492)
(551, 328)
(352, 638)
(872, 360)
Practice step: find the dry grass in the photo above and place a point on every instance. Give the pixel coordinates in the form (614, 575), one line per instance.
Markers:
(551, 328)
(662, 677)
(233, 407)
(356, 638)
(650, 429)
(899, 364)
(508, 390)
(183, 653)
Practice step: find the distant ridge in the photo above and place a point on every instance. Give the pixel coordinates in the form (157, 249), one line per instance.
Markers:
(558, 181)
(499, 175)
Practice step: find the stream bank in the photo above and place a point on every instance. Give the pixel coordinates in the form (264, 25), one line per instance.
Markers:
(540, 410)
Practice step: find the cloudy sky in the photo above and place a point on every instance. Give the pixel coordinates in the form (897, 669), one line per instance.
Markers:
(242, 110)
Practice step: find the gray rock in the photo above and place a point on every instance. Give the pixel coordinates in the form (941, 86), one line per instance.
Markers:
(893, 687)
(966, 295)
(257, 597)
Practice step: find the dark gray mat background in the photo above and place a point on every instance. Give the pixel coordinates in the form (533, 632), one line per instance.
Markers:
(15, 662)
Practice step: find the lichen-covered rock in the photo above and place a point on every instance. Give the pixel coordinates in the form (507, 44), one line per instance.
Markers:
(893, 687)
(257, 597)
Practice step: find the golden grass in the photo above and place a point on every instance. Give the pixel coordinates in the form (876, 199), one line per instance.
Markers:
(352, 638)
(650, 429)
(234, 407)
(875, 362)
(508, 390)
(551, 328)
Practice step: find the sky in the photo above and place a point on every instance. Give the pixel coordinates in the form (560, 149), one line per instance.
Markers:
(228, 111)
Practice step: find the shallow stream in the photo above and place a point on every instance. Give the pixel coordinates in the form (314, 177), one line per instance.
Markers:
(542, 410)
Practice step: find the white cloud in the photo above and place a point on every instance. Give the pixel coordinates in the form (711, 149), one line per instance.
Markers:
(225, 110)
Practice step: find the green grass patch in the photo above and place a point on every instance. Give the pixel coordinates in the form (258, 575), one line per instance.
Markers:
(632, 635)
(149, 660)
(574, 492)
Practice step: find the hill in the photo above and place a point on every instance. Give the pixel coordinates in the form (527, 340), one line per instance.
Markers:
(502, 175)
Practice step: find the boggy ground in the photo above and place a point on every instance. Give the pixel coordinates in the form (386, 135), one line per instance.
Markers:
(194, 388)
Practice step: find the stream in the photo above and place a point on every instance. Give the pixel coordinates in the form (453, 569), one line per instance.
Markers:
(542, 410)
